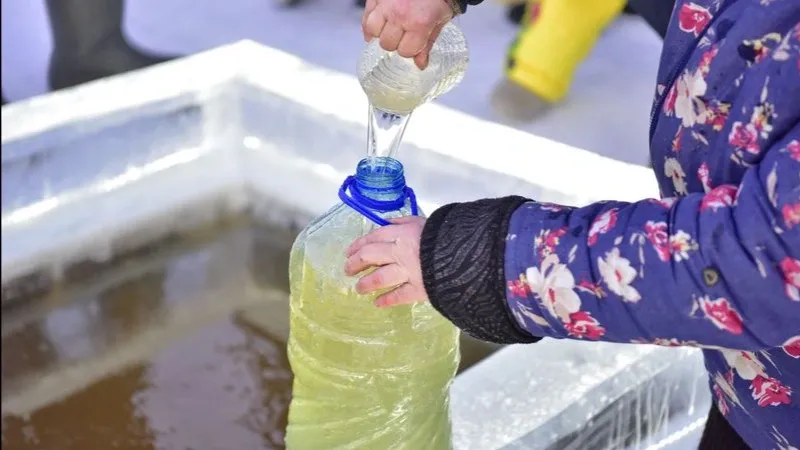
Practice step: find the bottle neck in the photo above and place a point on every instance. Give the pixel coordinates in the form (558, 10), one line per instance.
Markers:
(380, 179)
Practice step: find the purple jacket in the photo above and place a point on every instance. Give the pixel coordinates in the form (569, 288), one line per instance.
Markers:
(714, 264)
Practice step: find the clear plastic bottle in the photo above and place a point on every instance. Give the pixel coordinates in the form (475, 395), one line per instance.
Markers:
(365, 377)
(395, 84)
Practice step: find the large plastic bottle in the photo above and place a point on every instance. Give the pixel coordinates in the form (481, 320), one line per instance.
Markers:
(364, 377)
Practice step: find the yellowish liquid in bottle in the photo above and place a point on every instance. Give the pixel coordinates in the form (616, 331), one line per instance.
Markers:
(365, 377)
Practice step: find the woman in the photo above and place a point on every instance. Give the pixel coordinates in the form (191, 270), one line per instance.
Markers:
(714, 264)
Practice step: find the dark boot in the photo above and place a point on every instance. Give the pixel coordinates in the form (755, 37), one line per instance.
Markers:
(88, 42)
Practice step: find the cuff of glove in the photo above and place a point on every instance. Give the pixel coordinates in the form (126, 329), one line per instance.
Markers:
(462, 253)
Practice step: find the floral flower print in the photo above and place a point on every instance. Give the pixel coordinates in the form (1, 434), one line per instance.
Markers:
(673, 170)
(618, 275)
(690, 107)
(791, 214)
(717, 114)
(744, 136)
(693, 18)
(704, 176)
(792, 347)
(765, 390)
(522, 312)
(519, 287)
(583, 326)
(719, 197)
(669, 101)
(719, 396)
(676, 246)
(602, 224)
(724, 385)
(680, 244)
(677, 141)
(591, 288)
(657, 234)
(721, 314)
(770, 392)
(555, 287)
(666, 202)
(754, 51)
(794, 149)
(550, 207)
(745, 364)
(762, 116)
(547, 241)
(790, 268)
(704, 66)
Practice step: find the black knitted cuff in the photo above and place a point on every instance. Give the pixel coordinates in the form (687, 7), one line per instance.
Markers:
(462, 253)
(462, 4)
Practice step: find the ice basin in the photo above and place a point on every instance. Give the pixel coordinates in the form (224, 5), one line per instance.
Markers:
(246, 131)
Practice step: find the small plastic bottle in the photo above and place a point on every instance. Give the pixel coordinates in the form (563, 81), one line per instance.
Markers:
(395, 84)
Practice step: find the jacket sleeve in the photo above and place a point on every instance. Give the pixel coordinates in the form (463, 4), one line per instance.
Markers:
(714, 269)
(462, 4)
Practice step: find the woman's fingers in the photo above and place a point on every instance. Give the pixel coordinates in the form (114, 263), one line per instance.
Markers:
(382, 278)
(382, 234)
(412, 44)
(404, 219)
(373, 23)
(391, 36)
(405, 294)
(422, 57)
(370, 255)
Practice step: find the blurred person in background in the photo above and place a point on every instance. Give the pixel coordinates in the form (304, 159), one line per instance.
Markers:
(713, 264)
(555, 38)
(517, 10)
(553, 42)
(89, 44)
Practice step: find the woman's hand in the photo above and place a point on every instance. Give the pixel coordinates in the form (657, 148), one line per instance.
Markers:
(393, 251)
(409, 27)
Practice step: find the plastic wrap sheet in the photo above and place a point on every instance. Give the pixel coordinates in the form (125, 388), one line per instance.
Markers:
(565, 395)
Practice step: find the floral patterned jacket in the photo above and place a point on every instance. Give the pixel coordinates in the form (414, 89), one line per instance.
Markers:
(714, 264)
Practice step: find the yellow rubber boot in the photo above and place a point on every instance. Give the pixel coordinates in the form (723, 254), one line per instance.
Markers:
(556, 37)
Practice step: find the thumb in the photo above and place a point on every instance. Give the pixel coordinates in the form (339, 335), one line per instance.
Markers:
(422, 58)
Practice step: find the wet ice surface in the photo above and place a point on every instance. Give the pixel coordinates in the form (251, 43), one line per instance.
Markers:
(224, 386)
(606, 112)
(181, 348)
